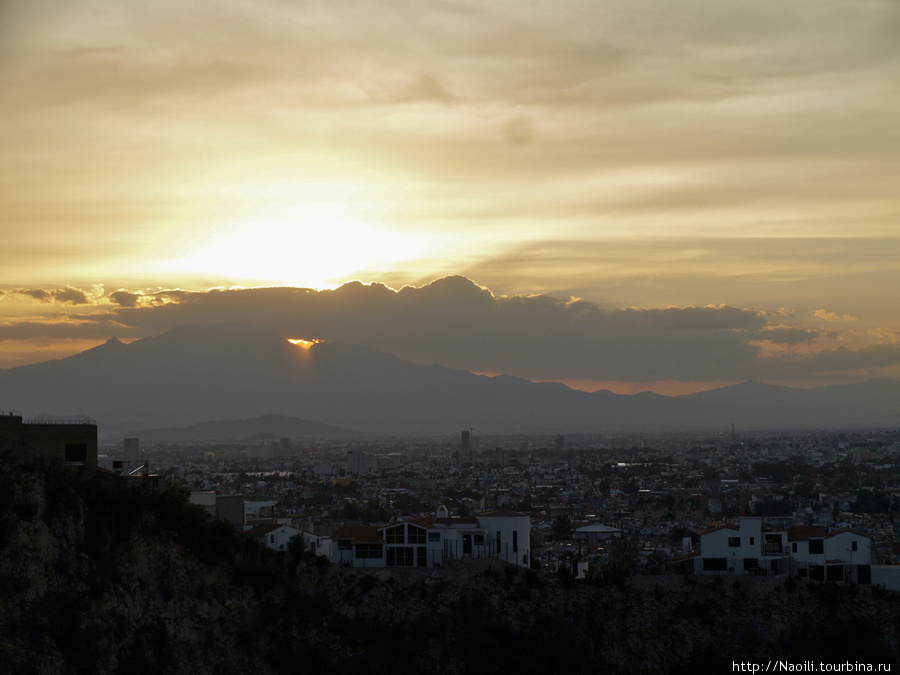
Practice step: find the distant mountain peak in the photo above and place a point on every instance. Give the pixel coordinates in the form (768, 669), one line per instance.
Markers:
(232, 371)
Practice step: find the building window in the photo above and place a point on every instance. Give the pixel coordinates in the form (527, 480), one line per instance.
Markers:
(478, 539)
(794, 547)
(752, 541)
(499, 546)
(434, 536)
(853, 546)
(734, 542)
(515, 541)
(368, 550)
(773, 543)
(271, 538)
(816, 546)
(394, 535)
(345, 544)
(76, 453)
(415, 535)
(401, 556)
(715, 564)
(750, 564)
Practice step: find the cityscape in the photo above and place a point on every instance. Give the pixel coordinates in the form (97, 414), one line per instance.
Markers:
(449, 337)
(578, 492)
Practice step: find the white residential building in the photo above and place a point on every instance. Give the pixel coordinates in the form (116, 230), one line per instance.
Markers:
(357, 462)
(839, 555)
(274, 535)
(748, 548)
(316, 544)
(429, 541)
(807, 550)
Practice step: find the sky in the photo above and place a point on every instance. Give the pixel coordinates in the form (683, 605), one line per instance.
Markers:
(633, 195)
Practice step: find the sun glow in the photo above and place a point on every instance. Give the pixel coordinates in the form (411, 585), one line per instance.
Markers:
(313, 244)
(303, 344)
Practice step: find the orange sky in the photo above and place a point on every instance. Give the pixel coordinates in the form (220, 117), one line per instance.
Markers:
(630, 154)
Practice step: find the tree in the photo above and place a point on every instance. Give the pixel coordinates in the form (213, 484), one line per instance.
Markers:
(297, 547)
(624, 554)
(562, 526)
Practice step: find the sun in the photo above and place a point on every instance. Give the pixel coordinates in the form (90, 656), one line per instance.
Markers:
(303, 344)
(316, 244)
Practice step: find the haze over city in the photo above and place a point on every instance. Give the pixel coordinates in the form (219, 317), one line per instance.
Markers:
(631, 196)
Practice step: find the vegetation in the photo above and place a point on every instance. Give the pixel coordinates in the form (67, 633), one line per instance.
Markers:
(97, 576)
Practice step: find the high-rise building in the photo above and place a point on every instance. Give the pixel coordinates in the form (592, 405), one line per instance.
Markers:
(357, 462)
(132, 448)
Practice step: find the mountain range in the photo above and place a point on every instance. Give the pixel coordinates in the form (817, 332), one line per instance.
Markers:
(235, 371)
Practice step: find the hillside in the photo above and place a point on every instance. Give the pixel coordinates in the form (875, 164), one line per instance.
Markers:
(264, 427)
(96, 577)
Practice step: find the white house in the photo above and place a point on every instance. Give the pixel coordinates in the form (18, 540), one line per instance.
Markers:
(748, 548)
(839, 555)
(809, 550)
(274, 535)
(429, 541)
(316, 544)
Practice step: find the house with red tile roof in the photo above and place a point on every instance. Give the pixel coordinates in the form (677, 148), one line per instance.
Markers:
(839, 555)
(431, 541)
(810, 551)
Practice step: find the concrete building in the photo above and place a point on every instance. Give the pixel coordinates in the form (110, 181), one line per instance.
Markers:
(206, 499)
(230, 508)
(748, 548)
(71, 442)
(357, 462)
(430, 541)
(389, 462)
(840, 555)
(272, 535)
(131, 449)
(807, 550)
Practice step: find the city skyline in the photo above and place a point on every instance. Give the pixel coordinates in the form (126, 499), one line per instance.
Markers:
(633, 195)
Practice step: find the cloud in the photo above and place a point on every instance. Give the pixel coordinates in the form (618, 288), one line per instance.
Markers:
(831, 317)
(519, 131)
(127, 299)
(636, 154)
(830, 362)
(124, 298)
(789, 335)
(65, 296)
(456, 322)
(98, 328)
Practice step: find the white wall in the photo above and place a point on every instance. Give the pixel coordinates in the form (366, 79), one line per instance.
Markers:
(506, 526)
